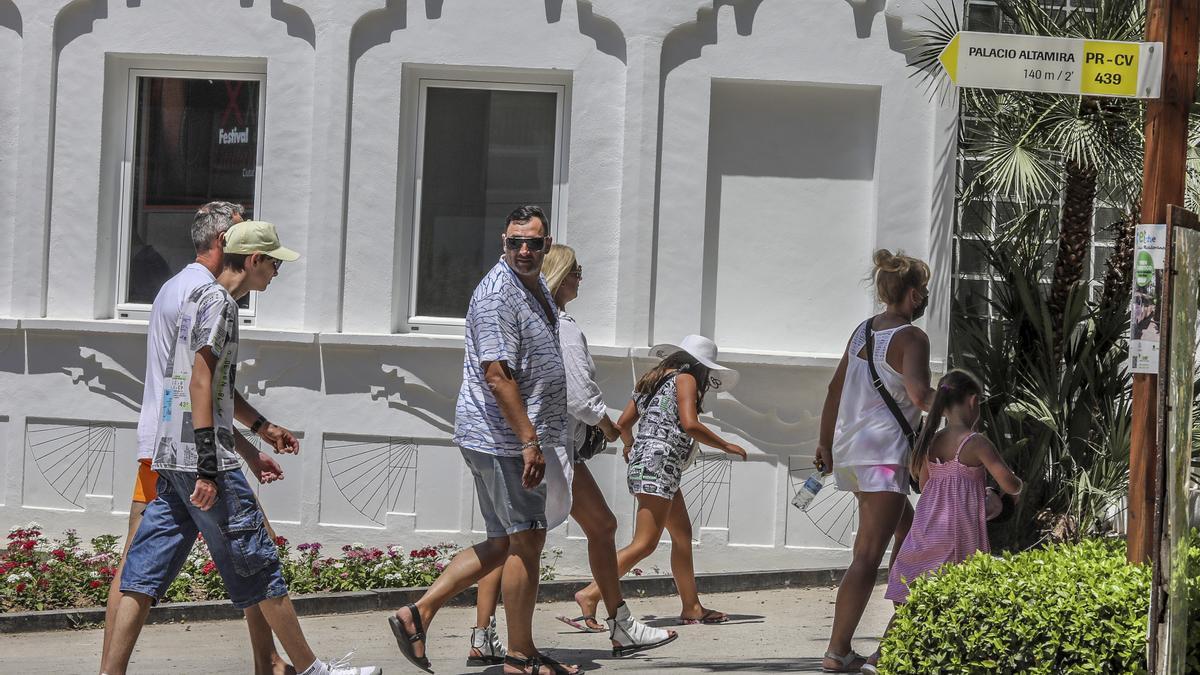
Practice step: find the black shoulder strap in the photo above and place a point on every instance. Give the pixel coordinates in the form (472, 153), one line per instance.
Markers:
(886, 395)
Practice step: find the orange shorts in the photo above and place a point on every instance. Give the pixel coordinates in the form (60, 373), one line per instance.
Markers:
(145, 488)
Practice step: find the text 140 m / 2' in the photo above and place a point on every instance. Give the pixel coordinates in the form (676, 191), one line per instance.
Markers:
(1058, 75)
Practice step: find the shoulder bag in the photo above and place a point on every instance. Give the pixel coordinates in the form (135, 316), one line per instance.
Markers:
(910, 435)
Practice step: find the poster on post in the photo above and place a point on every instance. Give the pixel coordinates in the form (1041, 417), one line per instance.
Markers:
(1145, 306)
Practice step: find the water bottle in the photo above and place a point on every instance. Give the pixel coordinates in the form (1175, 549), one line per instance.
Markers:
(808, 491)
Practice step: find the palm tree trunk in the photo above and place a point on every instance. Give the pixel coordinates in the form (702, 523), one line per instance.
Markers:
(1074, 241)
(1119, 266)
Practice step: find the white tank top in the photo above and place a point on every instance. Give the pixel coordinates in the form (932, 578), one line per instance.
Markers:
(867, 433)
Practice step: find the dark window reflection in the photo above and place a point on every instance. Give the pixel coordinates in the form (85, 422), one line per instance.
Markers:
(486, 152)
(196, 141)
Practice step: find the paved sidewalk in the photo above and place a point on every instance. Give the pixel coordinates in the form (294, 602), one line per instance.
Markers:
(770, 631)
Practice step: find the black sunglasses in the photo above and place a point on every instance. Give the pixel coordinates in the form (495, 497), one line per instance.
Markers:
(534, 243)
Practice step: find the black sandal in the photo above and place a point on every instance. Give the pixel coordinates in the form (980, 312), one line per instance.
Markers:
(405, 639)
(536, 662)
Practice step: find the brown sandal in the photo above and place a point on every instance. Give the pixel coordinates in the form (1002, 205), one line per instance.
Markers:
(709, 617)
(536, 662)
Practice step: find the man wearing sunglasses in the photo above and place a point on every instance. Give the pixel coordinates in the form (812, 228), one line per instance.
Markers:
(511, 407)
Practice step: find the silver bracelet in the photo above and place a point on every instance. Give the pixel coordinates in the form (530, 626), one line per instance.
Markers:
(535, 443)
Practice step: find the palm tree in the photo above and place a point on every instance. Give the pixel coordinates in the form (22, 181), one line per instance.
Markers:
(1040, 148)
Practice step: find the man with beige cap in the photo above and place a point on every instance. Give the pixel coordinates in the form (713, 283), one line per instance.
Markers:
(201, 487)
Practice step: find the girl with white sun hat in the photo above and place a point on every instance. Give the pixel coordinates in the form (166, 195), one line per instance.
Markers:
(667, 400)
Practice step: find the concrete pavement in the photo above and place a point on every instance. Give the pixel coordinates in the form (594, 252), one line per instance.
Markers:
(770, 631)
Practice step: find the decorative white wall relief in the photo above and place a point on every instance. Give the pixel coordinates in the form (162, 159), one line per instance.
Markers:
(67, 461)
(364, 479)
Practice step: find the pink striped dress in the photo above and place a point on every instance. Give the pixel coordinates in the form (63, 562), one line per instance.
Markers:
(949, 526)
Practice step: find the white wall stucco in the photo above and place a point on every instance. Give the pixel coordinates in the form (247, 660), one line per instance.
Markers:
(728, 168)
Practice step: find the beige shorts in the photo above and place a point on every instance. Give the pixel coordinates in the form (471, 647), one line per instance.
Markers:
(872, 478)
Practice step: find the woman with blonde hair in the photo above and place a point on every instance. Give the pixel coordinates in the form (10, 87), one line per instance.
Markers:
(589, 429)
(874, 402)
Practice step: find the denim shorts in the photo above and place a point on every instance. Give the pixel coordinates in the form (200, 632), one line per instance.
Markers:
(233, 530)
(507, 507)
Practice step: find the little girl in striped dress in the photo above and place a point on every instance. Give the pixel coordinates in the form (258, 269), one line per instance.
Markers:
(952, 465)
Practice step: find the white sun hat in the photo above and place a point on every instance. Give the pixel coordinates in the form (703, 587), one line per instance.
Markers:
(705, 351)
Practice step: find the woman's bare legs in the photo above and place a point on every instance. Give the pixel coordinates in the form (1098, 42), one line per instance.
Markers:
(879, 514)
(649, 523)
(599, 525)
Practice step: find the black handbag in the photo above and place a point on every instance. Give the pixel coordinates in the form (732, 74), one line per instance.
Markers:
(594, 443)
(910, 434)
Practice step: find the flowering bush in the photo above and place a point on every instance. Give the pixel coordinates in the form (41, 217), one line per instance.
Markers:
(37, 573)
(43, 574)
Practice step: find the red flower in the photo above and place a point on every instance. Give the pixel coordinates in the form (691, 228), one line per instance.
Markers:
(59, 553)
(42, 583)
(209, 567)
(21, 587)
(94, 583)
(281, 541)
(28, 544)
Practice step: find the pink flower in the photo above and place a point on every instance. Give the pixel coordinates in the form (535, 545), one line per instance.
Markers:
(209, 567)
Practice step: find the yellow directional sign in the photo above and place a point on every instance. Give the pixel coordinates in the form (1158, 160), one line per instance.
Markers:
(1054, 65)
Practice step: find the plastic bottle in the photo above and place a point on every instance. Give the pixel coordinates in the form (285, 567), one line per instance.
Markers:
(808, 491)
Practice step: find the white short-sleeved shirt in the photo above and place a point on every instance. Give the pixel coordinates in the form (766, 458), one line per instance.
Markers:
(505, 322)
(209, 318)
(160, 336)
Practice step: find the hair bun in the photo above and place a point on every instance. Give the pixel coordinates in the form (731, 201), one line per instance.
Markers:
(885, 261)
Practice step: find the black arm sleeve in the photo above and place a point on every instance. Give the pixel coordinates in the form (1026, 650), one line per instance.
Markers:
(206, 453)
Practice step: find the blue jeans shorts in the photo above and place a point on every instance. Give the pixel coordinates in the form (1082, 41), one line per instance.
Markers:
(233, 530)
(506, 506)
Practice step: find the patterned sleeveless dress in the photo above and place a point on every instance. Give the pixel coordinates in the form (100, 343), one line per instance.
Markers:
(949, 526)
(661, 448)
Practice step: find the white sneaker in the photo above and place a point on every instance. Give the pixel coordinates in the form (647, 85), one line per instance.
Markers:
(341, 667)
(487, 641)
(629, 635)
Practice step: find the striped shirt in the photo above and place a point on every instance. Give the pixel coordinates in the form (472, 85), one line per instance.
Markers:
(505, 322)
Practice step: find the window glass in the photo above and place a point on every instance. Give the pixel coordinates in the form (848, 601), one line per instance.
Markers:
(196, 140)
(486, 152)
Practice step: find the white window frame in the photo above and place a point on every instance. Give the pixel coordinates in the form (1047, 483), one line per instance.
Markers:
(138, 311)
(451, 325)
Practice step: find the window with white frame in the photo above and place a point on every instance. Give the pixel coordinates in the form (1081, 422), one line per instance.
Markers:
(483, 149)
(191, 138)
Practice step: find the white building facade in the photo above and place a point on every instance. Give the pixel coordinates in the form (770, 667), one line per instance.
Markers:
(723, 167)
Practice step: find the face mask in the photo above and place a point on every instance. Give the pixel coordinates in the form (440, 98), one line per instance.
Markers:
(919, 310)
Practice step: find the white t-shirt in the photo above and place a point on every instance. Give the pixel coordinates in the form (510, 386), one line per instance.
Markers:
(209, 318)
(160, 336)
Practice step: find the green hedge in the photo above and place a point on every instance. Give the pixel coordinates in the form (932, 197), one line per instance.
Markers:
(1193, 660)
(1064, 609)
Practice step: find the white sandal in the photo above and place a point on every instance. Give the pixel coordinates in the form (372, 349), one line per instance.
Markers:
(846, 660)
(629, 636)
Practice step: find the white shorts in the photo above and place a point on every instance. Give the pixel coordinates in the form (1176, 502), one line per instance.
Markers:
(872, 478)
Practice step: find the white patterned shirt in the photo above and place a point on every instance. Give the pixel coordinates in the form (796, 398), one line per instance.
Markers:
(505, 322)
(209, 318)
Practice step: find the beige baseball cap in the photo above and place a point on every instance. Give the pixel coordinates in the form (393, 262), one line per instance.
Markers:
(257, 236)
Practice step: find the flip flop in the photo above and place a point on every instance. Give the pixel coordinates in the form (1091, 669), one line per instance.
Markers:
(405, 640)
(579, 623)
(710, 617)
